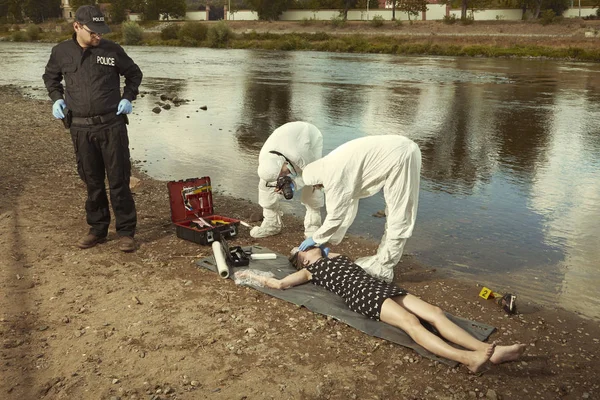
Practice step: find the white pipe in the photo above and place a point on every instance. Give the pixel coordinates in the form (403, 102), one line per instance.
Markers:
(219, 256)
(263, 256)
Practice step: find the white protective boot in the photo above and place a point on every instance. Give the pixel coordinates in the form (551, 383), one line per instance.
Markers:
(270, 226)
(372, 266)
(382, 264)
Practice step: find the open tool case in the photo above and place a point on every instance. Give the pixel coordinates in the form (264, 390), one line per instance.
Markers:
(192, 212)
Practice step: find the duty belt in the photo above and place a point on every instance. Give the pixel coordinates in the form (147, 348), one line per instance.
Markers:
(98, 119)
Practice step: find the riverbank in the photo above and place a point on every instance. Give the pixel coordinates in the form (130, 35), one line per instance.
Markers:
(574, 39)
(103, 324)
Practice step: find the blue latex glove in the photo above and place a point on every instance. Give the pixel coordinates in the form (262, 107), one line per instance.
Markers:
(57, 109)
(325, 251)
(308, 242)
(125, 107)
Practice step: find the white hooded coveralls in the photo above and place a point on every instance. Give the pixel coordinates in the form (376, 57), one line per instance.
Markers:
(358, 169)
(301, 143)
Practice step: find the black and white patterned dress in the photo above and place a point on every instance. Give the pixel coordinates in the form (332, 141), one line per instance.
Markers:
(363, 293)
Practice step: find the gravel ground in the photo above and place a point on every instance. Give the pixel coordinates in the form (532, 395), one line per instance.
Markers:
(100, 324)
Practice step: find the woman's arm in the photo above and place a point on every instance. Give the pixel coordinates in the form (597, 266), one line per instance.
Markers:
(295, 279)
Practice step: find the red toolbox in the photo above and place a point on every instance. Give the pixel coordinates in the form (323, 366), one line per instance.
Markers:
(192, 212)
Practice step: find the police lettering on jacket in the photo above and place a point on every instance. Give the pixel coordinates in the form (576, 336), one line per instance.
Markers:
(105, 60)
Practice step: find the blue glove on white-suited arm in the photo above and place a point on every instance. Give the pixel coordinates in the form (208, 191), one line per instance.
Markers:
(57, 109)
(125, 107)
(308, 242)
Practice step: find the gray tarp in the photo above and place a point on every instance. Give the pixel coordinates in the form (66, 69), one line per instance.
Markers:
(319, 300)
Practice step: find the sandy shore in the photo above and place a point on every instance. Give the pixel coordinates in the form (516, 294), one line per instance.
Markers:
(100, 324)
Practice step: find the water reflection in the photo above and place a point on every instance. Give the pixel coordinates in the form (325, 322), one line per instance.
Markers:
(267, 101)
(459, 155)
(511, 148)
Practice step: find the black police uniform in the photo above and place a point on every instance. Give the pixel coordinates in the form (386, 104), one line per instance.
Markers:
(92, 93)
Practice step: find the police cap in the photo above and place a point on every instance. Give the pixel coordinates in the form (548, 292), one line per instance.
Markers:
(91, 17)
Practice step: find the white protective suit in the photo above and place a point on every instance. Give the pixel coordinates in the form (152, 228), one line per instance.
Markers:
(301, 143)
(358, 169)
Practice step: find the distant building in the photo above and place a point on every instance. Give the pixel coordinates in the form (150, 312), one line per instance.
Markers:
(67, 11)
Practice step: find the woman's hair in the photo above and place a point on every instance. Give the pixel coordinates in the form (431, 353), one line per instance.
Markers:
(295, 258)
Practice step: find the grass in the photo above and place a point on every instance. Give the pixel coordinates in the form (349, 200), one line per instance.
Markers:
(471, 46)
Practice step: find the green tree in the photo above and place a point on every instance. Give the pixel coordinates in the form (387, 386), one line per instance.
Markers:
(473, 5)
(393, 9)
(362, 4)
(537, 6)
(348, 4)
(118, 10)
(412, 7)
(75, 4)
(137, 6)
(12, 10)
(269, 10)
(150, 10)
(40, 10)
(155, 9)
(173, 8)
(558, 6)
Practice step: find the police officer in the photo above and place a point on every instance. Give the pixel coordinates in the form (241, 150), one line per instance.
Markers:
(91, 104)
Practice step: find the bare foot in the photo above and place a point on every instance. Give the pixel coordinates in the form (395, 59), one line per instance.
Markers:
(507, 353)
(480, 357)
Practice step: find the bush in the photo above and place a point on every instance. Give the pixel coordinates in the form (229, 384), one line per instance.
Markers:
(318, 36)
(377, 21)
(547, 17)
(191, 33)
(398, 22)
(338, 21)
(170, 32)
(598, 12)
(132, 33)
(33, 32)
(66, 27)
(307, 21)
(449, 19)
(219, 34)
(3, 28)
(468, 20)
(19, 36)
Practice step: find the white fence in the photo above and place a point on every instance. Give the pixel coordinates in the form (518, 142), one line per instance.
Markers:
(434, 12)
(196, 15)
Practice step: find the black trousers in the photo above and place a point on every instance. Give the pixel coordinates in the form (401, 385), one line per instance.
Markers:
(103, 151)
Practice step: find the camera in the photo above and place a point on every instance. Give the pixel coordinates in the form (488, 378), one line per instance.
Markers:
(286, 185)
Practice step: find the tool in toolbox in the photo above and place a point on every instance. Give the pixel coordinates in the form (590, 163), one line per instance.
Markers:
(187, 192)
(193, 214)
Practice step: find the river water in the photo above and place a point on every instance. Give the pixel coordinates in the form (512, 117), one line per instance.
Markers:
(510, 190)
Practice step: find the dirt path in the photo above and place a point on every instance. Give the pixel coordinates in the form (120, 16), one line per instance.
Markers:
(100, 324)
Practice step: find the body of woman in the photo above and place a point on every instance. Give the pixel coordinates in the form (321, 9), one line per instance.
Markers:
(379, 300)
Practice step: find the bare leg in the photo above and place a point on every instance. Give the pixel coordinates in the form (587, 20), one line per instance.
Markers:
(394, 314)
(436, 317)
(448, 329)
